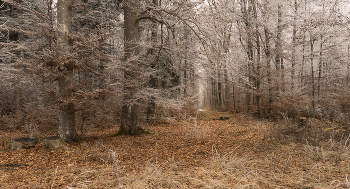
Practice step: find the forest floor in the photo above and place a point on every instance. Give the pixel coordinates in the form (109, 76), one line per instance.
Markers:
(207, 151)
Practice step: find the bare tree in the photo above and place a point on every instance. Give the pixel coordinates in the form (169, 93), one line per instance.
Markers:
(66, 128)
(129, 116)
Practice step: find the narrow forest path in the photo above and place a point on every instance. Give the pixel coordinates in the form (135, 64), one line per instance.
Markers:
(212, 149)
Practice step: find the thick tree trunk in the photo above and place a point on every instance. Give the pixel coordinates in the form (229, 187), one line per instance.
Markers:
(129, 121)
(14, 37)
(66, 128)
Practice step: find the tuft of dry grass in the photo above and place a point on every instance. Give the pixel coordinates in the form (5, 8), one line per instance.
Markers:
(192, 129)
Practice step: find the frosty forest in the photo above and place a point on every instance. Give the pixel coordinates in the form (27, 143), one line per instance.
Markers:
(175, 93)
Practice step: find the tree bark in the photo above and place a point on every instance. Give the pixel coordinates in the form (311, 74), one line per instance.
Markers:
(246, 9)
(258, 80)
(268, 66)
(50, 15)
(227, 91)
(320, 68)
(14, 38)
(258, 66)
(66, 128)
(304, 58)
(129, 120)
(312, 40)
(151, 107)
(278, 58)
(348, 68)
(321, 57)
(294, 38)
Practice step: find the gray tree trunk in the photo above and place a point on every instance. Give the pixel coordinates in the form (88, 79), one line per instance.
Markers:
(258, 66)
(320, 68)
(294, 38)
(312, 41)
(129, 123)
(268, 66)
(151, 107)
(14, 37)
(50, 15)
(66, 127)
(246, 9)
(304, 46)
(278, 47)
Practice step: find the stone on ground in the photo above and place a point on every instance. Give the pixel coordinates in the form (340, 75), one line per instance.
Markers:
(21, 143)
(55, 143)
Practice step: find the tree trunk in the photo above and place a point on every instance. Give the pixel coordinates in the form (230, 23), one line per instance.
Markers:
(258, 80)
(220, 98)
(278, 58)
(268, 66)
(228, 83)
(294, 38)
(14, 37)
(247, 13)
(151, 107)
(186, 65)
(129, 120)
(348, 71)
(321, 58)
(228, 92)
(66, 128)
(50, 15)
(320, 68)
(312, 40)
(303, 62)
(258, 66)
(304, 59)
(17, 95)
(233, 98)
